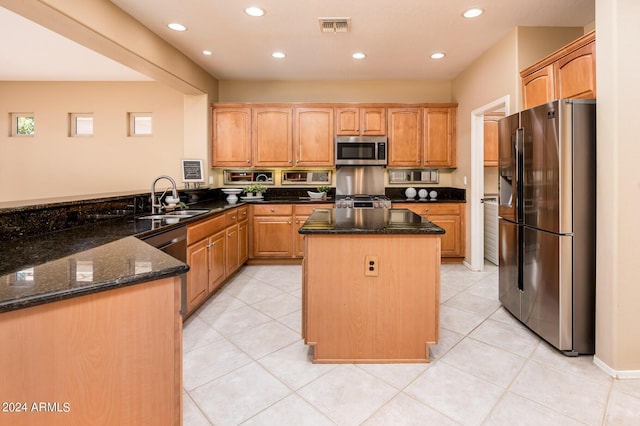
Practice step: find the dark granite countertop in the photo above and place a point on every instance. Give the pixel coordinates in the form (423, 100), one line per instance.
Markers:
(368, 221)
(120, 263)
(47, 242)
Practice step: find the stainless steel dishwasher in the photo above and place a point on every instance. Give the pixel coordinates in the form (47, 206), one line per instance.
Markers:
(172, 242)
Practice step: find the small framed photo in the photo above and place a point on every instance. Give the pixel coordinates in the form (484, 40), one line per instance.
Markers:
(192, 171)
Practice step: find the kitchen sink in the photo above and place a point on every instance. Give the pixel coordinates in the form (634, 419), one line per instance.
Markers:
(177, 214)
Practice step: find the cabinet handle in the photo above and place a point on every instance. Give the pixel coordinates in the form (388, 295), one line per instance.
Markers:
(233, 217)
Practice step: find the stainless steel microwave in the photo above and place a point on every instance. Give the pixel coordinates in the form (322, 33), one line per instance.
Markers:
(361, 150)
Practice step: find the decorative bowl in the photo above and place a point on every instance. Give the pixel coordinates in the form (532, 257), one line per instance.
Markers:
(316, 195)
(410, 193)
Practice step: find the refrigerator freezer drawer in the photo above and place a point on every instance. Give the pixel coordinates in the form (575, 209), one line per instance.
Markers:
(547, 286)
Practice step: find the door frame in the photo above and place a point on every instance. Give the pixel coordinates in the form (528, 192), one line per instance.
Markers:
(476, 258)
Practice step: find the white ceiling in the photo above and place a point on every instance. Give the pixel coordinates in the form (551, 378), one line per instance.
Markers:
(397, 35)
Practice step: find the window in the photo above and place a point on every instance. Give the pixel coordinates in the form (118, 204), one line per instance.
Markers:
(140, 124)
(80, 124)
(23, 124)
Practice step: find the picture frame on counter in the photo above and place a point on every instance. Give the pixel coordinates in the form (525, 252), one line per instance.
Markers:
(192, 171)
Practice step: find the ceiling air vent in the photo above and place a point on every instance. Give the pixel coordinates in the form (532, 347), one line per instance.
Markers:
(335, 25)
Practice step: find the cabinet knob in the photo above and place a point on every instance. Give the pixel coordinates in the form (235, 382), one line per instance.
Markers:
(426, 210)
(297, 221)
(248, 161)
(229, 235)
(289, 222)
(272, 210)
(233, 217)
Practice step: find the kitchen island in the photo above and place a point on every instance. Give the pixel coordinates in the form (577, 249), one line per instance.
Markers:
(371, 285)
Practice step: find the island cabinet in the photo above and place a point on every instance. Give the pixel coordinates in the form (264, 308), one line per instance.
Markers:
(272, 136)
(216, 248)
(231, 145)
(448, 216)
(570, 72)
(107, 358)
(361, 121)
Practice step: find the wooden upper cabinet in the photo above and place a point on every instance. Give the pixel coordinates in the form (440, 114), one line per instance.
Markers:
(405, 137)
(361, 121)
(313, 137)
(491, 139)
(538, 87)
(231, 137)
(575, 73)
(439, 137)
(569, 72)
(272, 141)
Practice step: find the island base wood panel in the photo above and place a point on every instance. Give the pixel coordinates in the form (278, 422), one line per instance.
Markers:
(111, 358)
(350, 317)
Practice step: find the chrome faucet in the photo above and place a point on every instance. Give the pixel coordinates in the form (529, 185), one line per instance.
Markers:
(156, 204)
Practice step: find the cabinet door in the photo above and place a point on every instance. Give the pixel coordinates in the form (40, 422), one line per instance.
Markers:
(491, 139)
(272, 136)
(439, 137)
(313, 139)
(198, 275)
(405, 137)
(243, 242)
(348, 121)
(298, 238)
(232, 249)
(451, 241)
(538, 87)
(231, 137)
(272, 236)
(362, 121)
(217, 261)
(373, 121)
(575, 73)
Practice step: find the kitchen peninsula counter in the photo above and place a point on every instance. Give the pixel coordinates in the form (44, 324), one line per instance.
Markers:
(371, 285)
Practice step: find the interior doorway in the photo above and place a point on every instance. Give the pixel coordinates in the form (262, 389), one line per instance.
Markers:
(476, 260)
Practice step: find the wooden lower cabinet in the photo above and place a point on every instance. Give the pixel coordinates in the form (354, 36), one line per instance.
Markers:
(451, 218)
(107, 358)
(216, 248)
(275, 230)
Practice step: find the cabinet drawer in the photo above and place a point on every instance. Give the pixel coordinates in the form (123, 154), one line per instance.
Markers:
(243, 213)
(273, 209)
(204, 229)
(231, 218)
(431, 209)
(307, 209)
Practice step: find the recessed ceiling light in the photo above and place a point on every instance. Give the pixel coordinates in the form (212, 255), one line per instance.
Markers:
(206, 52)
(278, 55)
(254, 11)
(437, 55)
(472, 13)
(177, 27)
(359, 55)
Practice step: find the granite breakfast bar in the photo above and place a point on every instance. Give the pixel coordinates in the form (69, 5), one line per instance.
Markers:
(371, 285)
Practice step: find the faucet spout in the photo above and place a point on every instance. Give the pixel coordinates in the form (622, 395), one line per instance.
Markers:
(156, 204)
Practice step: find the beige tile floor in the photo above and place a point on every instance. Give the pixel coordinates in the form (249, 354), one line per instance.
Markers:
(245, 363)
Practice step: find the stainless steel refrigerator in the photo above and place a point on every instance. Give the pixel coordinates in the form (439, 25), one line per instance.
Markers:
(547, 223)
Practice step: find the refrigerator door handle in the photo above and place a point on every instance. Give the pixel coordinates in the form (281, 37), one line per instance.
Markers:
(519, 174)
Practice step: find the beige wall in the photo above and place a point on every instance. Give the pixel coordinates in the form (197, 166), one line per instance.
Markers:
(618, 186)
(334, 91)
(52, 164)
(535, 43)
(102, 26)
